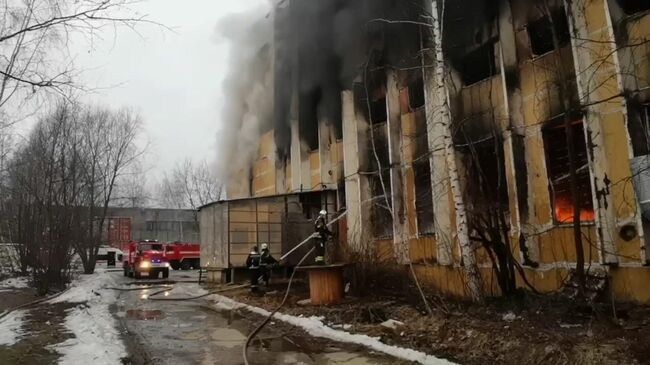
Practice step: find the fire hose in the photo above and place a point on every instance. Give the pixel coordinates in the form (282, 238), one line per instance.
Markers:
(252, 335)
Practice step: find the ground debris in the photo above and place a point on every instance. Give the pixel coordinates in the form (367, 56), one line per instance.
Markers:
(538, 329)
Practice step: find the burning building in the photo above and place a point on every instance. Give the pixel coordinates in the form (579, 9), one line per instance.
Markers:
(484, 134)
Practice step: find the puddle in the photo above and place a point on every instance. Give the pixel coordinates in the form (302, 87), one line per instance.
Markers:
(227, 337)
(144, 315)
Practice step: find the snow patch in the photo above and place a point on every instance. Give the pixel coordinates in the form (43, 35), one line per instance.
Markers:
(315, 327)
(19, 282)
(11, 328)
(97, 340)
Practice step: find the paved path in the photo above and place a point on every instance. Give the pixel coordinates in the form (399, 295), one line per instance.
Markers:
(191, 332)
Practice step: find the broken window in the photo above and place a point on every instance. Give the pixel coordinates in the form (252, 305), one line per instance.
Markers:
(423, 196)
(378, 110)
(540, 32)
(379, 181)
(486, 179)
(422, 177)
(416, 94)
(479, 64)
(634, 6)
(639, 130)
(557, 164)
(311, 204)
(521, 173)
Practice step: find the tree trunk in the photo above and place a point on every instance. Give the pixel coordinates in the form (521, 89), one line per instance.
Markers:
(467, 251)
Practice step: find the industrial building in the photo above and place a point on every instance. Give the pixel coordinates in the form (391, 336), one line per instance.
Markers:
(451, 131)
(165, 225)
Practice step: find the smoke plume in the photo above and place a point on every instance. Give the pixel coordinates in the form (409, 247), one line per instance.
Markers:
(248, 89)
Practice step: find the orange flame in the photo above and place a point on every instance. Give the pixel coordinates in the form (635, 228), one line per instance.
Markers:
(564, 211)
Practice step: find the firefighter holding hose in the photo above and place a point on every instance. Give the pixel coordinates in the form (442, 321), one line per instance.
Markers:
(253, 262)
(322, 235)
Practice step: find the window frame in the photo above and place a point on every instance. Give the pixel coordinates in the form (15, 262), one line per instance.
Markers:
(558, 123)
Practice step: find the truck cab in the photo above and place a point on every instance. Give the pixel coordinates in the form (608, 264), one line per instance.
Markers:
(145, 258)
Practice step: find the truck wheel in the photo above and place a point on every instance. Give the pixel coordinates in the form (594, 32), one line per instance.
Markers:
(137, 275)
(174, 264)
(126, 272)
(186, 265)
(165, 273)
(196, 264)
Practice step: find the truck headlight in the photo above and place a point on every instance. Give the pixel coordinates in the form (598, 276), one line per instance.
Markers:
(166, 264)
(145, 264)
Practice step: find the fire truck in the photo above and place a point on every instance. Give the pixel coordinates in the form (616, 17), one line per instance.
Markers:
(145, 258)
(183, 255)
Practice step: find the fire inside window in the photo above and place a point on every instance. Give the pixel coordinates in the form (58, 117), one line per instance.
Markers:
(557, 161)
(540, 32)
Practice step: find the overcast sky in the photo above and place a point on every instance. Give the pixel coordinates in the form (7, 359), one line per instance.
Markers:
(172, 78)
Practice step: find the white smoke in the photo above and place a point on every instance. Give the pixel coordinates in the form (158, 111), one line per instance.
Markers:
(248, 89)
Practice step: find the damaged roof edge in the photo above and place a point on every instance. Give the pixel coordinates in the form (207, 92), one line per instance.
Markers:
(262, 197)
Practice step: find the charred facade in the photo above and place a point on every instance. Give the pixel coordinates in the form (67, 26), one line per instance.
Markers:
(356, 111)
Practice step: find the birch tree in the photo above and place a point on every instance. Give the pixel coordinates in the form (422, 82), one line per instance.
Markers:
(439, 115)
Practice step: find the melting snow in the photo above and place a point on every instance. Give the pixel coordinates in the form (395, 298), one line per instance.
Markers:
(315, 327)
(11, 328)
(19, 282)
(97, 340)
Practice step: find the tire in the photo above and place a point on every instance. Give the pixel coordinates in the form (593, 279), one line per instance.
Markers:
(175, 265)
(186, 265)
(165, 274)
(137, 275)
(196, 264)
(126, 272)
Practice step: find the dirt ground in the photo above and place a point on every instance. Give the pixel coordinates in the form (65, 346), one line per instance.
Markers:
(530, 329)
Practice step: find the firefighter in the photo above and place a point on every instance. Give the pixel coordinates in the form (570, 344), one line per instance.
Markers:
(253, 263)
(267, 261)
(323, 233)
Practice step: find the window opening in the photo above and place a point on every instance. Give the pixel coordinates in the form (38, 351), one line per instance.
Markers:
(416, 94)
(541, 35)
(639, 130)
(423, 196)
(382, 221)
(378, 112)
(308, 118)
(479, 64)
(634, 6)
(557, 161)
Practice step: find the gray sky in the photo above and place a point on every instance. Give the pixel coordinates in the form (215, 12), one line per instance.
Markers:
(173, 79)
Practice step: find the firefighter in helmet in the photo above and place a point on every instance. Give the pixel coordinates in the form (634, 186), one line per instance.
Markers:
(322, 235)
(267, 261)
(253, 263)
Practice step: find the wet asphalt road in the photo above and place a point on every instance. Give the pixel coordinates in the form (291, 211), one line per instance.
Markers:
(193, 332)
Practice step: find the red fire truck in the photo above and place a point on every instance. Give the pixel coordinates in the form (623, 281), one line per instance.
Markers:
(183, 255)
(145, 257)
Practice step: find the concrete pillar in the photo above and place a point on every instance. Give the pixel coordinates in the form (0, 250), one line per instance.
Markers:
(398, 203)
(357, 190)
(598, 78)
(510, 74)
(295, 149)
(326, 141)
